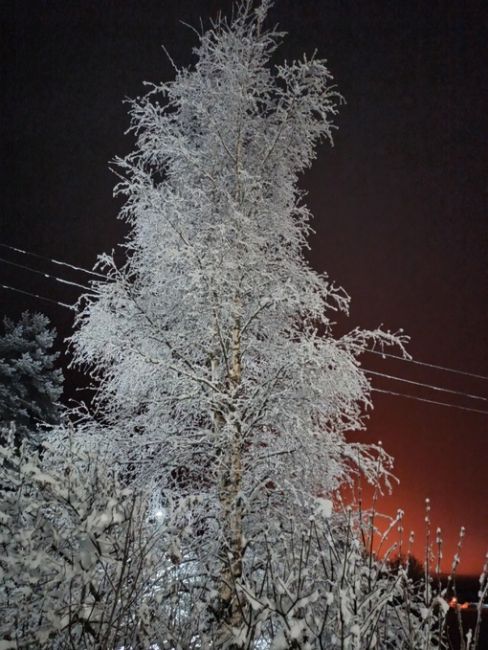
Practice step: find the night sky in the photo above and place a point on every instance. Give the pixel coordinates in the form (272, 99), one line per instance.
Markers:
(400, 203)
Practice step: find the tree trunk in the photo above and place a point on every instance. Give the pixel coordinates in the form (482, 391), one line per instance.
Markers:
(230, 500)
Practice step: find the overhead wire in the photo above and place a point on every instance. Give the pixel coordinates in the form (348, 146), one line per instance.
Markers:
(429, 401)
(371, 372)
(428, 365)
(39, 297)
(54, 261)
(44, 274)
(431, 386)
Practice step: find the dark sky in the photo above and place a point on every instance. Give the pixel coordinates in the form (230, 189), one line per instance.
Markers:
(399, 203)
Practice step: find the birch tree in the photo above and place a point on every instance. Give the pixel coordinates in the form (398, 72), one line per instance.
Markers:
(219, 381)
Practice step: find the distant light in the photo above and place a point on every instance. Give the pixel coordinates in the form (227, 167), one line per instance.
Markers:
(456, 605)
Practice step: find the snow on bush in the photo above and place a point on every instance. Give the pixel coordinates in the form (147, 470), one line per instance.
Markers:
(87, 562)
(79, 557)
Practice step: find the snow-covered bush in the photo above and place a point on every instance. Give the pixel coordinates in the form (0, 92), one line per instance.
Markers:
(323, 587)
(87, 562)
(80, 559)
(320, 588)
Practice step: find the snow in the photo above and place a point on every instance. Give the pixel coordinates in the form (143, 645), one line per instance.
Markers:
(324, 507)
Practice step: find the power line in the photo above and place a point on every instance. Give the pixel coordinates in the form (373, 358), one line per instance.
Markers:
(429, 401)
(45, 275)
(376, 390)
(382, 354)
(418, 383)
(428, 365)
(53, 261)
(35, 295)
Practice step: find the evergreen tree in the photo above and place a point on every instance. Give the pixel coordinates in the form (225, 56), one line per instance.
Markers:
(30, 385)
(219, 379)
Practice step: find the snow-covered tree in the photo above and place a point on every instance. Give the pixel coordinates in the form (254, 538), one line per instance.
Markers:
(30, 384)
(219, 380)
